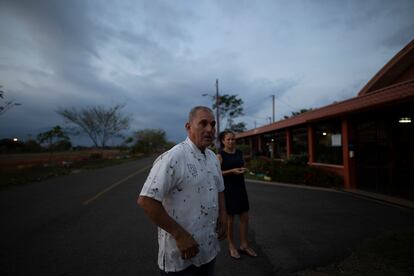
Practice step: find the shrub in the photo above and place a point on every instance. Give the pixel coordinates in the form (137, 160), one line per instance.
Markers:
(32, 146)
(260, 165)
(298, 159)
(319, 177)
(95, 156)
(294, 170)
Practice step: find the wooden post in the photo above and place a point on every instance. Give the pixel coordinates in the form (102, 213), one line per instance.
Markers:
(311, 144)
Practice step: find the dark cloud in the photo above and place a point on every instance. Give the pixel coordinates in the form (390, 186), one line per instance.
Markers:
(159, 57)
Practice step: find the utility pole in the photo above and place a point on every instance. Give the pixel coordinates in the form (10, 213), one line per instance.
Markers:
(217, 113)
(273, 97)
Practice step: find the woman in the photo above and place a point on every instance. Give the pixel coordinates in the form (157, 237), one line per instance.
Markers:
(237, 203)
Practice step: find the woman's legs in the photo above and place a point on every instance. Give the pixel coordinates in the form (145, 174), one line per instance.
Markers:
(244, 224)
(230, 237)
(244, 242)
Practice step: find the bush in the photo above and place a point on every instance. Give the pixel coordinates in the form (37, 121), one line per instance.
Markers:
(10, 146)
(95, 156)
(32, 146)
(290, 173)
(261, 165)
(298, 159)
(318, 177)
(294, 170)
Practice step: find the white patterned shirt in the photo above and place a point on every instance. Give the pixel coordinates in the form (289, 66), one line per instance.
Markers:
(187, 183)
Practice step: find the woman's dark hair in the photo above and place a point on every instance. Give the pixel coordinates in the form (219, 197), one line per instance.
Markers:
(222, 135)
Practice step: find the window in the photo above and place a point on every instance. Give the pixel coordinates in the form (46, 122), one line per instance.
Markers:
(280, 145)
(328, 143)
(299, 140)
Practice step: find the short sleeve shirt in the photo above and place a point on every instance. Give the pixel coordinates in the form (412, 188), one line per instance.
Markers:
(187, 182)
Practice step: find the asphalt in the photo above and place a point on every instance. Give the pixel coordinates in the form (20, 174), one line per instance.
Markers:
(88, 223)
(301, 227)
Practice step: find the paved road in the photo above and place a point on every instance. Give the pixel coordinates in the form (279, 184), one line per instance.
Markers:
(89, 224)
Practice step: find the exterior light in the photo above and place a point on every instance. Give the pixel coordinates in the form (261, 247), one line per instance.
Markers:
(324, 133)
(404, 120)
(15, 139)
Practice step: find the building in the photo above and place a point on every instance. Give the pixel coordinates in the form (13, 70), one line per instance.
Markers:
(367, 139)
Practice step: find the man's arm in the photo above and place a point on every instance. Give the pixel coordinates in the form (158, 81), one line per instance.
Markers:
(222, 219)
(157, 214)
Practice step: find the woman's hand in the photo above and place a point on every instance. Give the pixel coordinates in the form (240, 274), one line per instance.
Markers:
(239, 170)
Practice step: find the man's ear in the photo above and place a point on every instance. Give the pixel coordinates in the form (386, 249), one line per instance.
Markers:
(187, 126)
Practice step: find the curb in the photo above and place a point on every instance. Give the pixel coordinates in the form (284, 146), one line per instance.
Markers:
(395, 201)
(297, 186)
(382, 198)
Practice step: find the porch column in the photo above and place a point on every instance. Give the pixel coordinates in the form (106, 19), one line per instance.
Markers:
(348, 156)
(311, 144)
(259, 144)
(288, 143)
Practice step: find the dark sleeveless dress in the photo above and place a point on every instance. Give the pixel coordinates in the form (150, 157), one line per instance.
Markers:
(235, 193)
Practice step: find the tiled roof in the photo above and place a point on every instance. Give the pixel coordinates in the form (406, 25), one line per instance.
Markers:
(401, 92)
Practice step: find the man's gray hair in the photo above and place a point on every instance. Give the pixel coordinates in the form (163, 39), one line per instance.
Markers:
(195, 109)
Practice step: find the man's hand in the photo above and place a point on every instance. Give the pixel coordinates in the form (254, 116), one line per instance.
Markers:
(156, 212)
(221, 227)
(187, 245)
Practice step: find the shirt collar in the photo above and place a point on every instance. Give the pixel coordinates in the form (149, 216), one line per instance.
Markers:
(195, 149)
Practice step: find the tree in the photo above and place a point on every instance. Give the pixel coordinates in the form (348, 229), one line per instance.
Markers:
(32, 146)
(296, 113)
(11, 146)
(54, 138)
(6, 105)
(230, 107)
(99, 123)
(239, 127)
(150, 140)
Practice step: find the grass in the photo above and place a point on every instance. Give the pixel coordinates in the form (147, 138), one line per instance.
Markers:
(18, 176)
(387, 254)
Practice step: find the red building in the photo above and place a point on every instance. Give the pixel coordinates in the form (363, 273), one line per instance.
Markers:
(367, 139)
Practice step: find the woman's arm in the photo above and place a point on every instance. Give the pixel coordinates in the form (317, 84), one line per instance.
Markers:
(231, 171)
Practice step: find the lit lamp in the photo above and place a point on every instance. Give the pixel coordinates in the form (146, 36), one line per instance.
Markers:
(324, 133)
(404, 120)
(15, 139)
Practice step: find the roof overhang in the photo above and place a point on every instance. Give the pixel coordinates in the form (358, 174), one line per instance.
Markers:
(402, 92)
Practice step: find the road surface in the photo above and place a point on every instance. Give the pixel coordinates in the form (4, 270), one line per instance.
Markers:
(88, 223)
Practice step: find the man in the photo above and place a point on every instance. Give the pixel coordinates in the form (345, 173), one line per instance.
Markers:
(183, 195)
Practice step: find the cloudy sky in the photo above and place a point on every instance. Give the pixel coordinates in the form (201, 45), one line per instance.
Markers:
(159, 57)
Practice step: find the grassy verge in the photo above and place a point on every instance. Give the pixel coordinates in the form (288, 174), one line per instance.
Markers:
(388, 254)
(15, 176)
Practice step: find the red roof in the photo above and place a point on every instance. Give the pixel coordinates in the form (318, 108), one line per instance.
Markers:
(402, 92)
